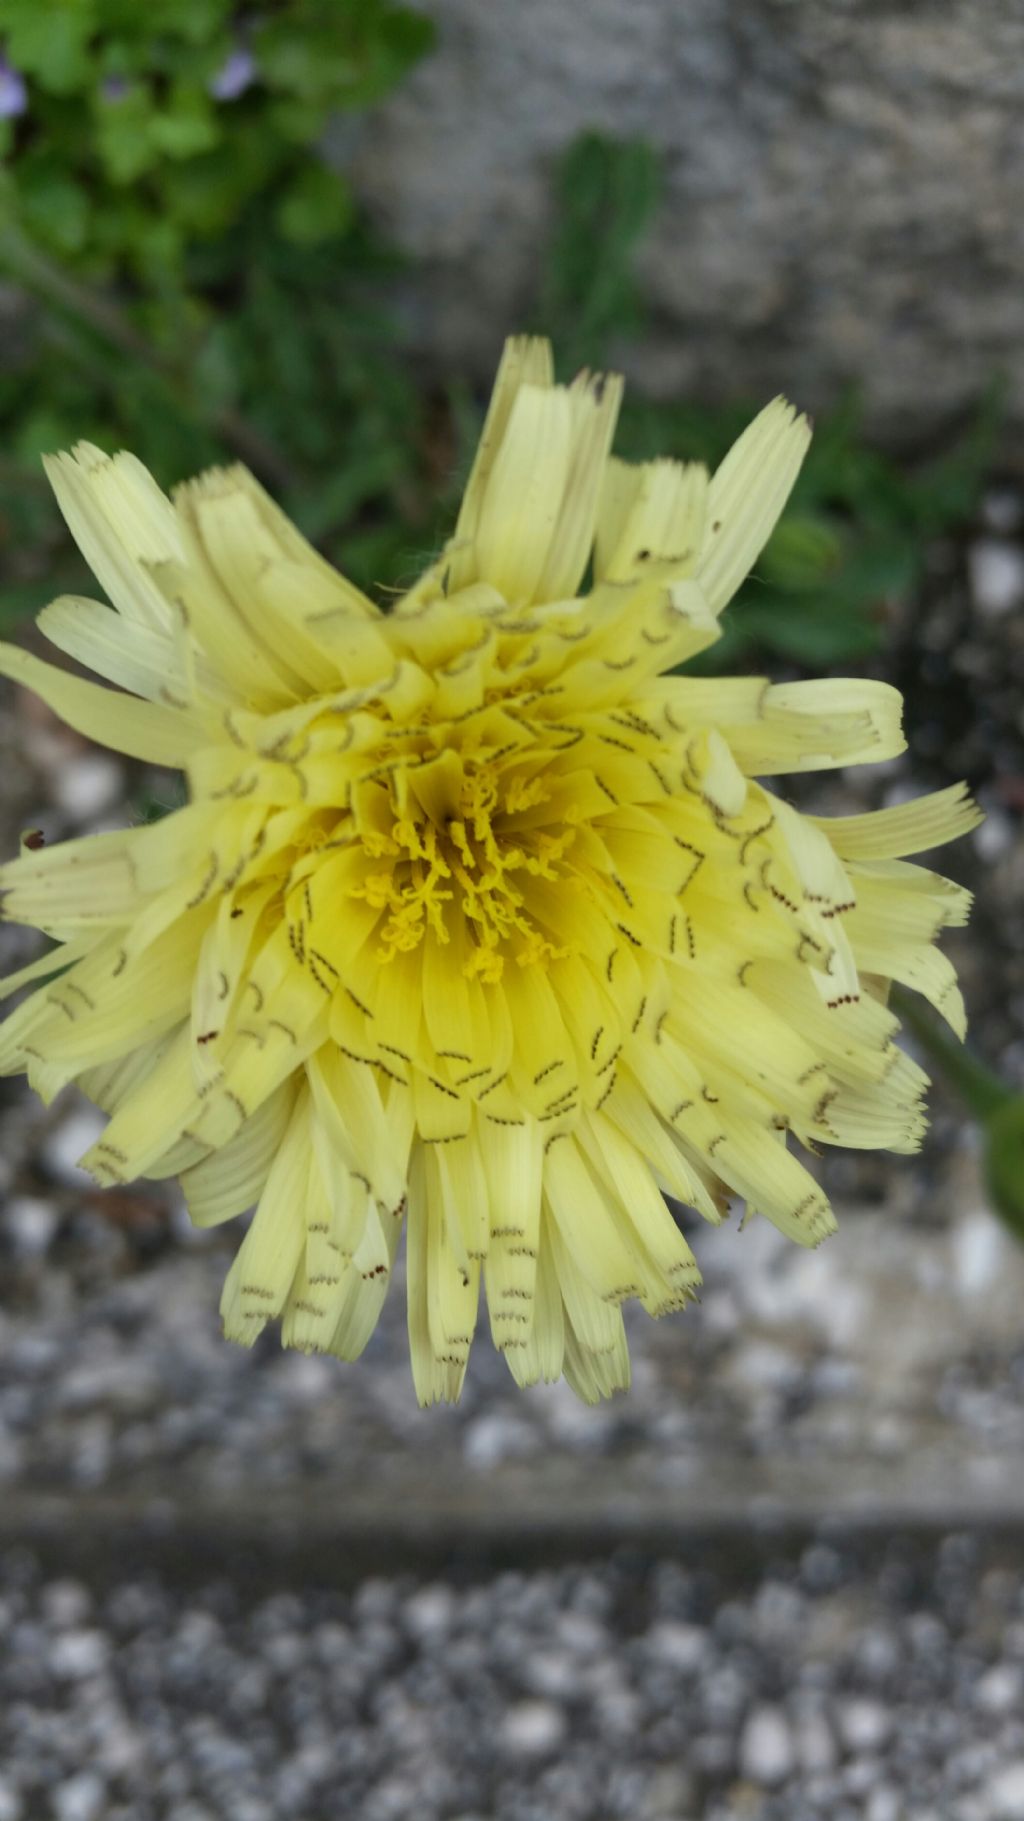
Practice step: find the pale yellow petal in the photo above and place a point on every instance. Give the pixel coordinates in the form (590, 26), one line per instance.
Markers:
(123, 525)
(650, 510)
(147, 660)
(522, 500)
(230, 1180)
(746, 497)
(905, 828)
(141, 730)
(525, 360)
(595, 400)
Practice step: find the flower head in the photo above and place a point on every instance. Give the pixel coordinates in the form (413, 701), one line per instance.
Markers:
(478, 922)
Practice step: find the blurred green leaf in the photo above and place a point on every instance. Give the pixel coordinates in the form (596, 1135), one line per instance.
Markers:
(123, 140)
(49, 42)
(316, 207)
(804, 551)
(606, 192)
(54, 207)
(187, 126)
(815, 634)
(207, 292)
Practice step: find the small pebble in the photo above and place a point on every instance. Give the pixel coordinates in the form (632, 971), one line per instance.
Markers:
(1000, 1690)
(89, 784)
(979, 1249)
(883, 1804)
(816, 1745)
(679, 1646)
(81, 1798)
(996, 575)
(30, 1225)
(428, 1612)
(76, 1654)
(766, 1747)
(552, 1673)
(493, 1438)
(532, 1729)
(76, 1132)
(66, 1605)
(1002, 509)
(864, 1726)
(1005, 1794)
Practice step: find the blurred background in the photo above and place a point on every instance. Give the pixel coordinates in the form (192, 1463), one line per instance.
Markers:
(782, 1579)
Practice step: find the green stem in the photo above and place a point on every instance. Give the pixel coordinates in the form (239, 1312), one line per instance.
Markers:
(976, 1084)
(30, 268)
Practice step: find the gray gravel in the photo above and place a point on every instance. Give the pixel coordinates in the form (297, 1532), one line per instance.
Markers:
(816, 1686)
(888, 1367)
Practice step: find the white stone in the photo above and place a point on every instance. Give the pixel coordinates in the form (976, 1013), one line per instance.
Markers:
(104, 1384)
(12, 1454)
(762, 1365)
(1002, 510)
(11, 1806)
(31, 1224)
(979, 1252)
(70, 1139)
(585, 1636)
(1005, 1793)
(677, 1645)
(306, 1377)
(996, 573)
(87, 786)
(816, 1745)
(618, 1715)
(884, 1804)
(553, 1673)
(394, 1799)
(122, 1750)
(993, 837)
(81, 1798)
(429, 1611)
(66, 1604)
(864, 1726)
(1000, 1690)
(496, 1437)
(532, 1729)
(766, 1747)
(859, 1776)
(76, 1654)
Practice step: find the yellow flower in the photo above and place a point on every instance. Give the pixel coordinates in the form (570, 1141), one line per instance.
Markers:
(478, 921)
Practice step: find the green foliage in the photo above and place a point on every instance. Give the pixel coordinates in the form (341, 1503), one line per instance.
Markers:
(1003, 1139)
(606, 191)
(208, 292)
(137, 142)
(996, 1107)
(207, 287)
(853, 538)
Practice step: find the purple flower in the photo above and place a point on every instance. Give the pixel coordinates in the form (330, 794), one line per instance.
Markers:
(113, 89)
(13, 93)
(234, 76)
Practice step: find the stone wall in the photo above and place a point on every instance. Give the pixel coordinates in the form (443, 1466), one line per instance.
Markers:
(844, 192)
